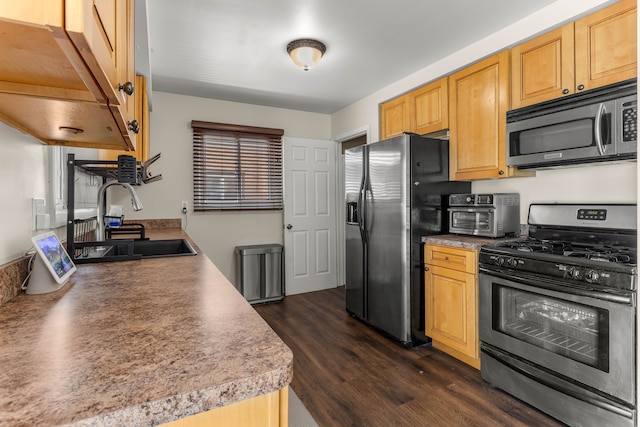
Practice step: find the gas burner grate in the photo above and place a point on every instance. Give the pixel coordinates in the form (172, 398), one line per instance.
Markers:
(597, 253)
(604, 256)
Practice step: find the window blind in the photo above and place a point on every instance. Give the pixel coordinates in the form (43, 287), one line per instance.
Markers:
(236, 167)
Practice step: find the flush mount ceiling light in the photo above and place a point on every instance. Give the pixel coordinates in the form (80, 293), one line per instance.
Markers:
(306, 53)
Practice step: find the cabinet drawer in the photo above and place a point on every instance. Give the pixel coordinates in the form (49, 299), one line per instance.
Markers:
(454, 258)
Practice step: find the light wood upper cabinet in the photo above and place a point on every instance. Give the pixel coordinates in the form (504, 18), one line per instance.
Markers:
(543, 68)
(394, 117)
(606, 45)
(142, 151)
(102, 31)
(451, 305)
(478, 104)
(53, 87)
(429, 108)
(594, 51)
(423, 110)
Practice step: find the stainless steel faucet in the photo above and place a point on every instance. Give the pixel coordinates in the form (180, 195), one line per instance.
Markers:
(135, 202)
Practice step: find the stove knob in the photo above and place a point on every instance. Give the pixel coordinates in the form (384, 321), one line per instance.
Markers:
(574, 272)
(512, 262)
(500, 261)
(592, 276)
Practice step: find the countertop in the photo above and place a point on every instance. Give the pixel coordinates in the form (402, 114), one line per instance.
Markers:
(135, 343)
(468, 242)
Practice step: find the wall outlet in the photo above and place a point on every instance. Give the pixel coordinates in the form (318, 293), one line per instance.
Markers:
(38, 207)
(185, 206)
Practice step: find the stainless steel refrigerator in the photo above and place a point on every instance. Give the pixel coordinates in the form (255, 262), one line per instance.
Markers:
(396, 192)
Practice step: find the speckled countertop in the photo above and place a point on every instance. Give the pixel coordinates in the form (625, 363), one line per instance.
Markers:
(468, 242)
(135, 343)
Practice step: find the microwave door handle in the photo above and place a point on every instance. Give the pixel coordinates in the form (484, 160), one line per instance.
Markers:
(598, 128)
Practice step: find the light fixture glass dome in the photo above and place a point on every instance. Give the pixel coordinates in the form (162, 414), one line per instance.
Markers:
(306, 53)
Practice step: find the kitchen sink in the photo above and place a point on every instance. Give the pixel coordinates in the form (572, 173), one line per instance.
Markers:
(152, 248)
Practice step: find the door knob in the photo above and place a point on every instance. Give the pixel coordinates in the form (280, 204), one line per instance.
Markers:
(289, 226)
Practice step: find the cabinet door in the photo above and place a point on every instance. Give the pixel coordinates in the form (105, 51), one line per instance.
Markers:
(451, 312)
(394, 118)
(126, 72)
(102, 31)
(543, 68)
(454, 258)
(141, 152)
(478, 104)
(606, 46)
(429, 108)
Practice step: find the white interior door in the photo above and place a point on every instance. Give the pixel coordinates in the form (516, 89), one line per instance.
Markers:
(309, 215)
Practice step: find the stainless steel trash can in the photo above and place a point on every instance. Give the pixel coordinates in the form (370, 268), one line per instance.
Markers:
(259, 272)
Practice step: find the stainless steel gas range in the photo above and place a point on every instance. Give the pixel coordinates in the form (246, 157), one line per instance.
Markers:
(558, 313)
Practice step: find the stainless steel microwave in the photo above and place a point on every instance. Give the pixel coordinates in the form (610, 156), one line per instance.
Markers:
(594, 126)
(486, 215)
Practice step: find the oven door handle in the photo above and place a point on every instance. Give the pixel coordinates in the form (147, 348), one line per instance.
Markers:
(626, 298)
(554, 383)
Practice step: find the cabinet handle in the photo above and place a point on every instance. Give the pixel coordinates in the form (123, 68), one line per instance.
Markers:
(426, 268)
(126, 88)
(500, 172)
(134, 126)
(565, 91)
(580, 87)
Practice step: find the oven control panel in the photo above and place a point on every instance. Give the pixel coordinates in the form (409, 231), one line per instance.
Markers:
(574, 272)
(592, 214)
(485, 200)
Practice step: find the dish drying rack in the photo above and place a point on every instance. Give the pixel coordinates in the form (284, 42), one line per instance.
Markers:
(84, 230)
(81, 232)
(127, 169)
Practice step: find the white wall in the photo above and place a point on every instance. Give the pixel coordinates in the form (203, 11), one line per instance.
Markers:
(591, 183)
(604, 183)
(217, 233)
(23, 177)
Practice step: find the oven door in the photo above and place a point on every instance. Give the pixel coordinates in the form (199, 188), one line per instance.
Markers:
(473, 221)
(583, 336)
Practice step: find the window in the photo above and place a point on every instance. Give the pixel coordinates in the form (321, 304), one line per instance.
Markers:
(86, 186)
(236, 167)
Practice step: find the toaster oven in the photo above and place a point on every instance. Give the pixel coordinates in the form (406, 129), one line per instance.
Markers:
(485, 215)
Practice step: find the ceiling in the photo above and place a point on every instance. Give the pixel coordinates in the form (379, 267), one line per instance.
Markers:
(235, 50)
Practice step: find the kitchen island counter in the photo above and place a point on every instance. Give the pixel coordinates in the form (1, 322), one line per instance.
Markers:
(135, 343)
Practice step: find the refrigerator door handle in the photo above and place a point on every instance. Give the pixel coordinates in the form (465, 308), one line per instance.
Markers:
(368, 221)
(362, 210)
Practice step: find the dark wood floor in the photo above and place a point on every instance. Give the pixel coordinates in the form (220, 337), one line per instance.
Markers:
(347, 374)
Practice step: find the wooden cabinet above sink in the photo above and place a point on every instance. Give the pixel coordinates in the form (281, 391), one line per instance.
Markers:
(62, 68)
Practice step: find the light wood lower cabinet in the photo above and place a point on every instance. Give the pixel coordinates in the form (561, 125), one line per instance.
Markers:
(451, 306)
(268, 410)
